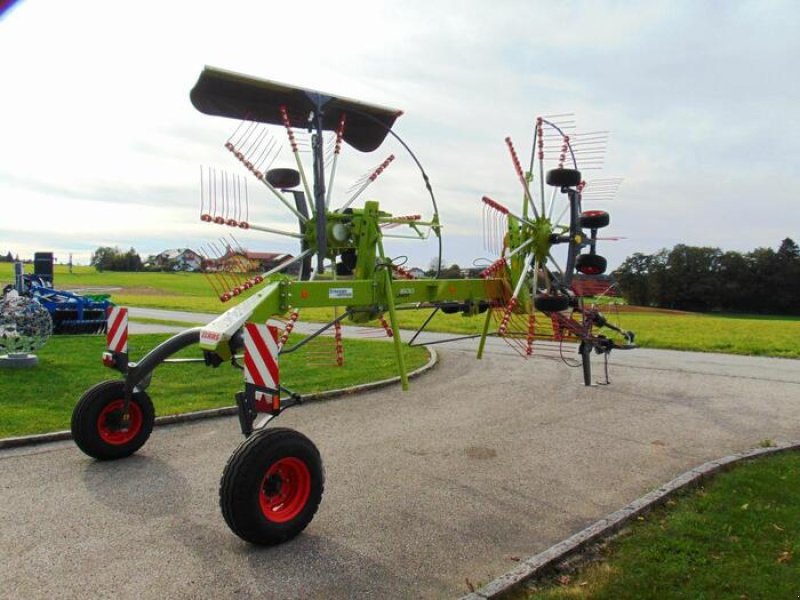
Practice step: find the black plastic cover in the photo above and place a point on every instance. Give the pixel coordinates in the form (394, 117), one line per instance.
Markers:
(228, 94)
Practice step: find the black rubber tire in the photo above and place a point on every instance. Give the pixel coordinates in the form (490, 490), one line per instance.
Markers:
(563, 177)
(283, 178)
(245, 475)
(594, 219)
(451, 308)
(547, 303)
(90, 421)
(591, 264)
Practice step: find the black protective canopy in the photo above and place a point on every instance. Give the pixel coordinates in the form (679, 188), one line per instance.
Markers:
(228, 94)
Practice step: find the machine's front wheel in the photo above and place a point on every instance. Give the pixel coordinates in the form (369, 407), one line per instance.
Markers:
(102, 428)
(272, 486)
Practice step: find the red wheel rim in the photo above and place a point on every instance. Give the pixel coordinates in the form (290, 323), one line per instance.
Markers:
(593, 213)
(284, 490)
(110, 425)
(590, 270)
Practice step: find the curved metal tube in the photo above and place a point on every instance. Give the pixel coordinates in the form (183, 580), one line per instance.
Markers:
(140, 372)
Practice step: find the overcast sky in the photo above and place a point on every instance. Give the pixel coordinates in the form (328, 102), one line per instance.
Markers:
(101, 146)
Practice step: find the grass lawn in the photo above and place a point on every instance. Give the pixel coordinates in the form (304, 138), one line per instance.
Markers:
(41, 399)
(736, 537)
(732, 334)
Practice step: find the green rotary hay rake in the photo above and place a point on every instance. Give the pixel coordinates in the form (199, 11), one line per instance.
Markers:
(273, 483)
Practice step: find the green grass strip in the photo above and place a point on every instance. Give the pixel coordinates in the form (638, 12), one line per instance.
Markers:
(736, 537)
(41, 399)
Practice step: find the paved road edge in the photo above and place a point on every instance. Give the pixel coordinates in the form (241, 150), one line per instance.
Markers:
(539, 563)
(57, 436)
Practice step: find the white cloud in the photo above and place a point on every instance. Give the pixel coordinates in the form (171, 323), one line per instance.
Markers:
(101, 145)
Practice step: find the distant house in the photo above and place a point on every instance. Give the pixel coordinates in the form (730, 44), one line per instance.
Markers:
(268, 260)
(176, 259)
(416, 272)
(249, 262)
(594, 285)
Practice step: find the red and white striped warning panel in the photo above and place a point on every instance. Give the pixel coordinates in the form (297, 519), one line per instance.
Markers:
(117, 334)
(261, 356)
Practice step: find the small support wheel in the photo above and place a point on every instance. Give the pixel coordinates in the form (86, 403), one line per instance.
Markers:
(591, 264)
(594, 219)
(101, 428)
(563, 177)
(547, 303)
(272, 486)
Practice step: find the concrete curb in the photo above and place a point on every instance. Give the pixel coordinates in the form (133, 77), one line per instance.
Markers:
(58, 436)
(604, 528)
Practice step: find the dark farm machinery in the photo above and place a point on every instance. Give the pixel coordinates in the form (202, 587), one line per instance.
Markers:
(72, 312)
(273, 483)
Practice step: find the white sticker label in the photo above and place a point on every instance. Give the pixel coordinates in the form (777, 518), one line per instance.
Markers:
(340, 293)
(406, 292)
(209, 337)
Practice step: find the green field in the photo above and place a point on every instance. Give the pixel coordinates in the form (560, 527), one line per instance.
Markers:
(41, 399)
(733, 334)
(736, 537)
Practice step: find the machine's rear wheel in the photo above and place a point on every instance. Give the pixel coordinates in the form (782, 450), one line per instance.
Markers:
(272, 486)
(563, 177)
(102, 429)
(547, 303)
(591, 264)
(594, 219)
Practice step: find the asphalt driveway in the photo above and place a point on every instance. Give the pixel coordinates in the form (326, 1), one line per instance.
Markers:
(478, 465)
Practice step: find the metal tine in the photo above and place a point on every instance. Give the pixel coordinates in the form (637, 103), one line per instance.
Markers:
(231, 273)
(604, 132)
(287, 123)
(235, 131)
(255, 143)
(225, 197)
(370, 178)
(236, 254)
(606, 182)
(330, 148)
(238, 214)
(264, 152)
(359, 182)
(204, 216)
(220, 273)
(217, 198)
(272, 160)
(558, 115)
(235, 146)
(208, 274)
(229, 143)
(246, 203)
(337, 148)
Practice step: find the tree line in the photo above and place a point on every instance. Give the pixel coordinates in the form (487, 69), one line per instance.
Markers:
(107, 258)
(706, 279)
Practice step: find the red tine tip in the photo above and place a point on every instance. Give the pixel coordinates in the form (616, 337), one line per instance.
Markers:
(206, 218)
(244, 225)
(232, 223)
(219, 220)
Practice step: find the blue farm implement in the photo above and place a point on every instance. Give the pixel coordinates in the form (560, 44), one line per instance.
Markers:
(72, 313)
